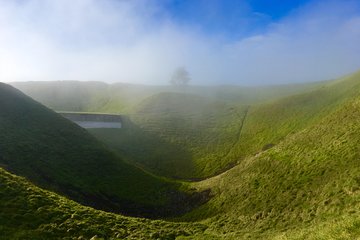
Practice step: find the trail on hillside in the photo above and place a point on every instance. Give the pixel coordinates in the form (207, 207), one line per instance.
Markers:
(231, 164)
(237, 138)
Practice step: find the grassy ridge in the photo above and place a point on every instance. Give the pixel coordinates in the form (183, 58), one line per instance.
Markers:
(306, 186)
(56, 154)
(188, 136)
(28, 212)
(306, 181)
(178, 135)
(269, 123)
(189, 133)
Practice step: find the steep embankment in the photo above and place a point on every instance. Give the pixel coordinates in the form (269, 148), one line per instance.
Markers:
(178, 135)
(56, 154)
(199, 137)
(28, 212)
(306, 185)
(269, 123)
(192, 135)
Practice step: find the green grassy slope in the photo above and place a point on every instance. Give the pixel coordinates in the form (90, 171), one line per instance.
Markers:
(306, 186)
(188, 136)
(178, 135)
(268, 123)
(57, 154)
(191, 133)
(28, 212)
(171, 143)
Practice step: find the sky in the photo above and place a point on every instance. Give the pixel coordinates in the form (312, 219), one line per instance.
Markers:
(243, 42)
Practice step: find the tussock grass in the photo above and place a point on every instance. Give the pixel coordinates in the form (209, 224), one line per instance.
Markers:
(28, 212)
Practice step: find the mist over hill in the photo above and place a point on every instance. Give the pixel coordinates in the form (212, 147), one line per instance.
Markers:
(56, 154)
(274, 166)
(179, 120)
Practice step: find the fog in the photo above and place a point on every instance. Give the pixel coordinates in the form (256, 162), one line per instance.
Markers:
(139, 42)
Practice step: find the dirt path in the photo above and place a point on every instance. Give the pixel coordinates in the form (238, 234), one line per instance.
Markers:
(239, 131)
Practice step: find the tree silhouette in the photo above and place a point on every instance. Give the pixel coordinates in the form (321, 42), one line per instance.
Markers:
(180, 77)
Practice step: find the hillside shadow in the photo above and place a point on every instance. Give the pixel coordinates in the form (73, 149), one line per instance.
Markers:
(152, 154)
(147, 150)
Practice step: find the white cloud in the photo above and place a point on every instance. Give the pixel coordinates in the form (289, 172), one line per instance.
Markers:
(134, 41)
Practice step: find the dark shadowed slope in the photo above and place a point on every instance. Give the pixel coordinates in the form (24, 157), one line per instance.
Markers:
(28, 212)
(55, 153)
(179, 135)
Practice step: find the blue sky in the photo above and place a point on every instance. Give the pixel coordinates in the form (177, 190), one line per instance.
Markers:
(253, 42)
(232, 19)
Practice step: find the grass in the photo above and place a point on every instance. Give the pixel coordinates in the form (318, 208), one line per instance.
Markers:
(192, 137)
(190, 133)
(178, 135)
(28, 212)
(297, 175)
(58, 155)
(311, 178)
(269, 123)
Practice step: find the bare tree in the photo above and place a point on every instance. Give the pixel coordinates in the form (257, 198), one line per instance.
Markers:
(181, 77)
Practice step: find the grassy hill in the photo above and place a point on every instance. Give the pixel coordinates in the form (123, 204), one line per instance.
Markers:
(189, 133)
(298, 177)
(178, 135)
(190, 136)
(28, 212)
(267, 124)
(307, 186)
(57, 154)
(195, 132)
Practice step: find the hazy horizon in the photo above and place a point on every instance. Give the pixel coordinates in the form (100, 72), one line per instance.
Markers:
(241, 43)
(191, 84)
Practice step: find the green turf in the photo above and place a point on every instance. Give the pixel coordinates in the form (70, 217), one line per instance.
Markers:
(178, 135)
(308, 180)
(28, 212)
(56, 154)
(188, 133)
(297, 174)
(190, 136)
(269, 123)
